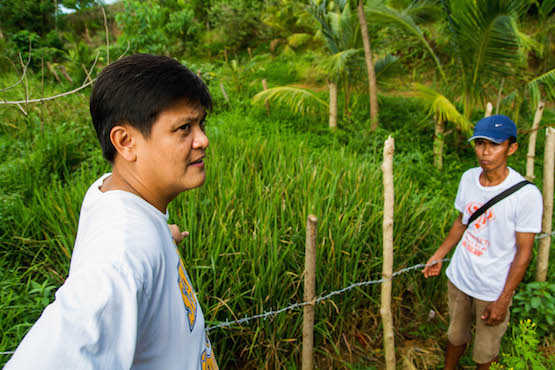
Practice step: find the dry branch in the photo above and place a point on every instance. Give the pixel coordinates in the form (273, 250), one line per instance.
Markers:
(489, 109)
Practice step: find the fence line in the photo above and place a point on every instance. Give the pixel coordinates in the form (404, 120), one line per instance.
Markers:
(265, 315)
(293, 306)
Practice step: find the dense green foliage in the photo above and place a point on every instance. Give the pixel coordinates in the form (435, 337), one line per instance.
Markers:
(265, 171)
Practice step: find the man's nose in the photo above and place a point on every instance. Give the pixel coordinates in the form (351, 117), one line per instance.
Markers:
(201, 140)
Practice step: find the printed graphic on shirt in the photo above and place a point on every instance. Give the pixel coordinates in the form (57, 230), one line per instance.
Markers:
(189, 299)
(207, 359)
(471, 242)
(483, 221)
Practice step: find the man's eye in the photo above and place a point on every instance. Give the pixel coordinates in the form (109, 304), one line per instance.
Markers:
(203, 126)
(185, 127)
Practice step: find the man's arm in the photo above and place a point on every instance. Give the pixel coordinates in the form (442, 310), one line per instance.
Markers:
(495, 312)
(452, 239)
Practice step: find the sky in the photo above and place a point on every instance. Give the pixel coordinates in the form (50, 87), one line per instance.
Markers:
(65, 10)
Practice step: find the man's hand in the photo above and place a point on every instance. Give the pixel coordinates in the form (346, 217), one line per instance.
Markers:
(433, 266)
(495, 312)
(177, 235)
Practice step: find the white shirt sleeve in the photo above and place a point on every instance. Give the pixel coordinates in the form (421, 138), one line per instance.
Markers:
(529, 211)
(92, 324)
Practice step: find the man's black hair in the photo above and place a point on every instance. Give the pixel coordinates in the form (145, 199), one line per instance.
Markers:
(512, 140)
(134, 90)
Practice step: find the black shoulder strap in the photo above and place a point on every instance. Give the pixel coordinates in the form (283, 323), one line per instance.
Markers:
(504, 194)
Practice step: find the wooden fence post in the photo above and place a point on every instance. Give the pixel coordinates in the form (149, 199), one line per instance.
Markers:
(489, 109)
(266, 103)
(532, 143)
(548, 169)
(387, 270)
(309, 292)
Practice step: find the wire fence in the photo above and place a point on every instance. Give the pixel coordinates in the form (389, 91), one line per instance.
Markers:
(294, 306)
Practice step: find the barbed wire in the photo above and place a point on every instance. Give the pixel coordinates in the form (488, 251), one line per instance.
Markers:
(544, 235)
(293, 306)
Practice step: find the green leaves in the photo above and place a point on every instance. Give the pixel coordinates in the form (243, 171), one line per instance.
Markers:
(299, 100)
(442, 108)
(536, 300)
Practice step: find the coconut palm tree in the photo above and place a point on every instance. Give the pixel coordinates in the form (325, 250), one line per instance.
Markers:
(372, 90)
(443, 111)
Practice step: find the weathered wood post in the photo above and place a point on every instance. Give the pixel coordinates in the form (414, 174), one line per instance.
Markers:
(266, 103)
(489, 109)
(333, 104)
(309, 292)
(532, 143)
(387, 270)
(548, 169)
(439, 133)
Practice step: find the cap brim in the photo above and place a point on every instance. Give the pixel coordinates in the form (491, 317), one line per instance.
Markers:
(497, 141)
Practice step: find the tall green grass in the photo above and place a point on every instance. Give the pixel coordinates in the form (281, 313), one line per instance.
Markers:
(247, 223)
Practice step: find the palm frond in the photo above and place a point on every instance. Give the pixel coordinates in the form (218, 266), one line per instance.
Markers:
(387, 66)
(378, 12)
(297, 40)
(299, 100)
(339, 63)
(547, 81)
(442, 108)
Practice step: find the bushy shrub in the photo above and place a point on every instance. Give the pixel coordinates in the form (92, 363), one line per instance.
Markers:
(536, 300)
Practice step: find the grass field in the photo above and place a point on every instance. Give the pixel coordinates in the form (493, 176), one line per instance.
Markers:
(245, 255)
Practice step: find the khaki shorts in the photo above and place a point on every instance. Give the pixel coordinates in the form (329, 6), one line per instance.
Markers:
(463, 311)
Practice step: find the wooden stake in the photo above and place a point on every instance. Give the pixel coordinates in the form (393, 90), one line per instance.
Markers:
(548, 178)
(333, 104)
(532, 143)
(224, 93)
(489, 109)
(266, 103)
(309, 292)
(387, 270)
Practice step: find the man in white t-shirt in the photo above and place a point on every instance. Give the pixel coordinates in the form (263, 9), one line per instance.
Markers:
(128, 302)
(492, 252)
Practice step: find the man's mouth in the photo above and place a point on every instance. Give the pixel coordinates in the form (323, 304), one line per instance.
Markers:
(198, 162)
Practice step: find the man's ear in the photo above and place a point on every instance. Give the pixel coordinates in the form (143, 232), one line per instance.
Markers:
(512, 148)
(123, 138)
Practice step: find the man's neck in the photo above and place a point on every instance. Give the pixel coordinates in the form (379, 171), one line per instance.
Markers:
(494, 177)
(122, 180)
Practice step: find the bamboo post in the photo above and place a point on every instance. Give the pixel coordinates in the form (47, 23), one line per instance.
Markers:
(548, 169)
(224, 93)
(266, 103)
(387, 270)
(489, 109)
(309, 292)
(532, 143)
(333, 104)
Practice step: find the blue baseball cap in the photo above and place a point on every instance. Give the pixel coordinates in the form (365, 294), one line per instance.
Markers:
(496, 128)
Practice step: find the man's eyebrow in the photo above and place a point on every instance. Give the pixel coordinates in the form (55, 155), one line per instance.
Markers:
(189, 119)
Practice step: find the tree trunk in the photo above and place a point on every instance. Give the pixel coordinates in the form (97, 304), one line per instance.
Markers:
(532, 143)
(333, 104)
(548, 178)
(387, 269)
(438, 144)
(372, 89)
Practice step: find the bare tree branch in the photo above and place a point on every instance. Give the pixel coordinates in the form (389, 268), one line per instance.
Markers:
(22, 75)
(48, 98)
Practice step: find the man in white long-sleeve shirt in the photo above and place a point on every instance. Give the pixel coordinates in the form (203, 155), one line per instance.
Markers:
(128, 302)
